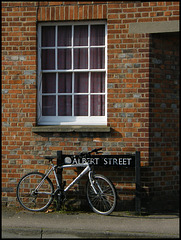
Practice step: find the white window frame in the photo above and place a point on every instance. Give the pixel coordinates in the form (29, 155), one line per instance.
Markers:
(70, 120)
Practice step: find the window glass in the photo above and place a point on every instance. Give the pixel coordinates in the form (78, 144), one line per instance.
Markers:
(81, 35)
(97, 82)
(97, 105)
(48, 83)
(81, 105)
(97, 58)
(48, 105)
(48, 59)
(64, 59)
(97, 35)
(65, 82)
(64, 36)
(64, 105)
(48, 36)
(80, 58)
(81, 83)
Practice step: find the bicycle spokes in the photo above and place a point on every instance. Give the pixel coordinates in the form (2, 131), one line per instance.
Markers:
(104, 199)
(35, 192)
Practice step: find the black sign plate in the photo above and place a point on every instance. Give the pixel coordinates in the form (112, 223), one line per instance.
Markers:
(101, 160)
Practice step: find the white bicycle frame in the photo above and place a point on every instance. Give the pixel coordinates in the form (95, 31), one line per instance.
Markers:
(84, 171)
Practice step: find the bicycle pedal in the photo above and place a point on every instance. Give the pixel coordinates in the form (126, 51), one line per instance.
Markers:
(63, 184)
(65, 199)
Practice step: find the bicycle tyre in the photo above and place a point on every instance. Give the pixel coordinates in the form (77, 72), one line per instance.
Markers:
(38, 200)
(105, 201)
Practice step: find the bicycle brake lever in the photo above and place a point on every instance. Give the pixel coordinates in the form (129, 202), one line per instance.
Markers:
(99, 152)
(82, 154)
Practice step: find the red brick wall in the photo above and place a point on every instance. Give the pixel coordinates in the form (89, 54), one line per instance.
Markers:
(129, 91)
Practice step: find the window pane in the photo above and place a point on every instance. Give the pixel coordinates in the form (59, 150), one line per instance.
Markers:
(64, 35)
(97, 82)
(65, 105)
(48, 82)
(64, 59)
(48, 36)
(81, 36)
(48, 59)
(97, 105)
(80, 58)
(97, 58)
(65, 82)
(81, 83)
(97, 35)
(81, 105)
(48, 105)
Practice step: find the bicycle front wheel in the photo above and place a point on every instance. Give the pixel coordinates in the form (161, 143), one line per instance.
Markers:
(35, 191)
(104, 200)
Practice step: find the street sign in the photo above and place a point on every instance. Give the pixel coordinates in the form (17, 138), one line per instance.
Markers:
(101, 160)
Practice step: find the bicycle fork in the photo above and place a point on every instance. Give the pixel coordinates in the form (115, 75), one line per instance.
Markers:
(91, 181)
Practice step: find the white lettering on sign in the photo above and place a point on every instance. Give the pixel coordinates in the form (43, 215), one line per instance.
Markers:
(93, 161)
(102, 161)
(119, 161)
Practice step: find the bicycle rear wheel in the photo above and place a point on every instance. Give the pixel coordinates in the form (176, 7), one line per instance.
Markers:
(35, 191)
(104, 201)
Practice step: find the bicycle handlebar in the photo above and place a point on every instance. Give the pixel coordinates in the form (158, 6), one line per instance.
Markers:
(96, 150)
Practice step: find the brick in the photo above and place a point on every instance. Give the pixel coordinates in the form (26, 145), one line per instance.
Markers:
(75, 12)
(71, 9)
(47, 14)
(156, 19)
(94, 11)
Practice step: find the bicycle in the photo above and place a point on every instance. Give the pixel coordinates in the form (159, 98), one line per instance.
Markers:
(35, 190)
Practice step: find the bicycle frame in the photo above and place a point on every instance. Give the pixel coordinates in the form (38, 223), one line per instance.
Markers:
(84, 171)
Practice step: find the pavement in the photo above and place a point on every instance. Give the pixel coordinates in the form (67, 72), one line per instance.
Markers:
(19, 223)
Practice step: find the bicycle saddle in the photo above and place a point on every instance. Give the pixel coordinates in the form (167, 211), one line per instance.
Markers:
(50, 157)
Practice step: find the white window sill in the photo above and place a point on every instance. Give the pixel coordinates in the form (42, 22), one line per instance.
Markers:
(83, 128)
